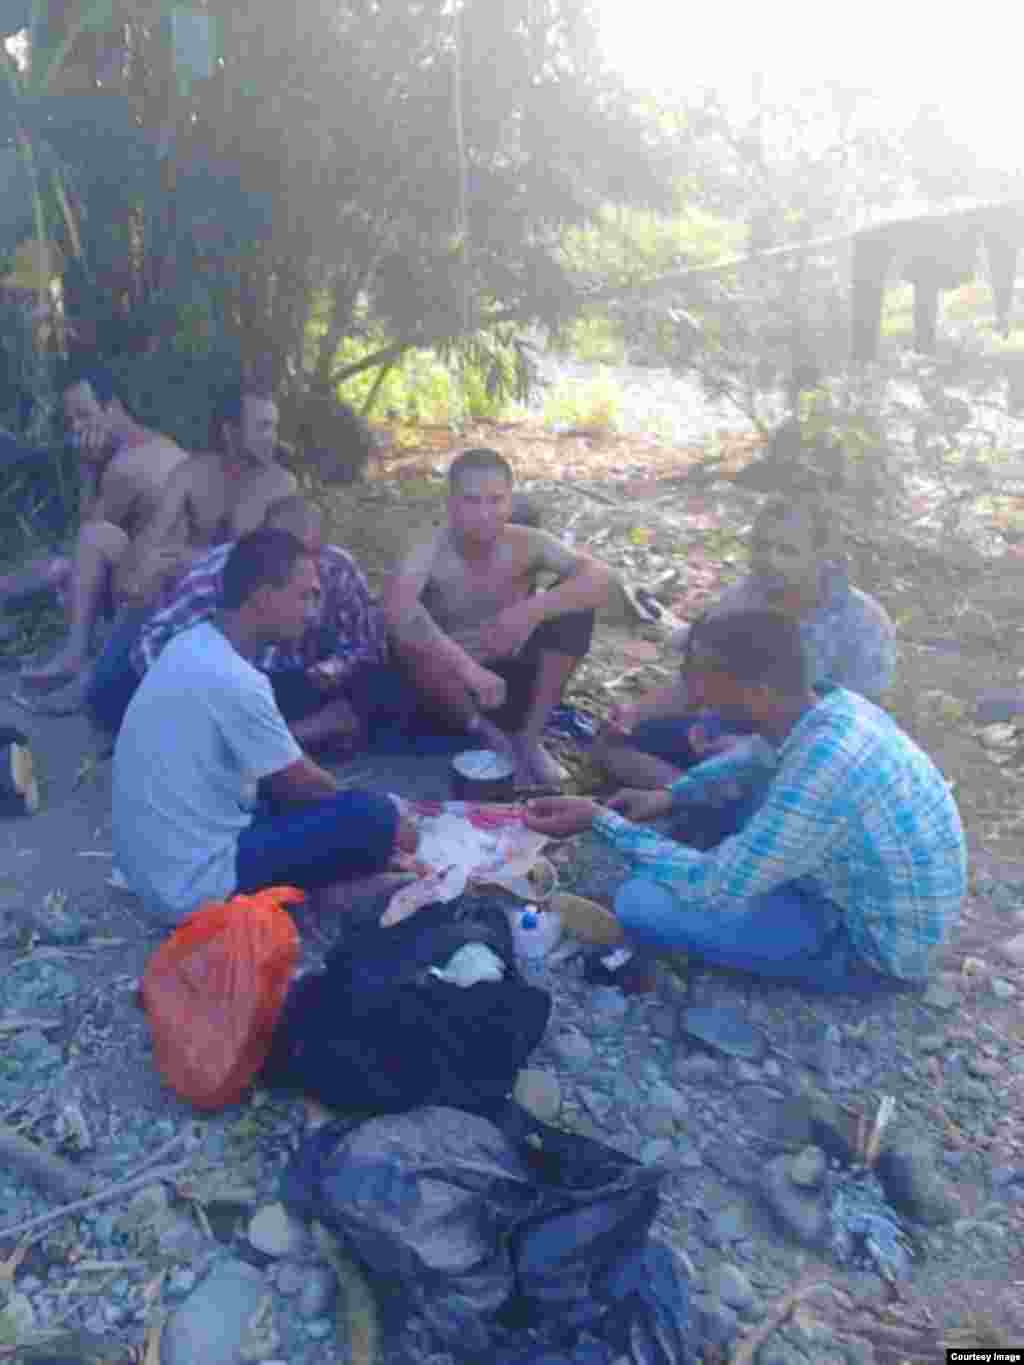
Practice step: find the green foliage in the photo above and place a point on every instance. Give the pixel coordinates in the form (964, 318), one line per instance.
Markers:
(590, 406)
(419, 388)
(595, 339)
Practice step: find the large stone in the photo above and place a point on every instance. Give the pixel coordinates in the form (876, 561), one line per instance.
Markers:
(276, 1232)
(539, 1093)
(782, 1120)
(213, 1324)
(800, 1211)
(724, 1030)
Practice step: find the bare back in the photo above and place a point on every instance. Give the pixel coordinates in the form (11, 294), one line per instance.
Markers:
(133, 482)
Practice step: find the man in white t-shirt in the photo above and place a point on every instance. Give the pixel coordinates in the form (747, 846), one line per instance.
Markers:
(203, 730)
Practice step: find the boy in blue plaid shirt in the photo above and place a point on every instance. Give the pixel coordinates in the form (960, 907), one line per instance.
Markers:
(851, 868)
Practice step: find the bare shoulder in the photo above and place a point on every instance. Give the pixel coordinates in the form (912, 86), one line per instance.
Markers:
(541, 551)
(426, 554)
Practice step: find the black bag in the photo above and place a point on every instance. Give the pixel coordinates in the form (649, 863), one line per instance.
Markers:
(376, 1031)
(510, 1245)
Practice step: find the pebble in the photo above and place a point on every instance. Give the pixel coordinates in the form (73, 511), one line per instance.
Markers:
(729, 1225)
(318, 1292)
(729, 1284)
(807, 1169)
(778, 1353)
(1001, 988)
(803, 1214)
(290, 1277)
(1013, 950)
(573, 1049)
(941, 997)
(697, 1068)
(726, 1031)
(214, 1320)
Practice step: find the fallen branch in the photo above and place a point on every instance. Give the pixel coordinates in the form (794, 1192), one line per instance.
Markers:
(748, 1348)
(112, 1192)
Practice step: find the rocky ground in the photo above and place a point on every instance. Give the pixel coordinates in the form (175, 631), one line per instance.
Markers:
(744, 1092)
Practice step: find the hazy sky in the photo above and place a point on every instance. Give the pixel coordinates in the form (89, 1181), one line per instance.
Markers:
(967, 58)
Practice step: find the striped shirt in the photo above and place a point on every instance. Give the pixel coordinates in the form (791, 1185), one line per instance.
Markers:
(855, 811)
(349, 624)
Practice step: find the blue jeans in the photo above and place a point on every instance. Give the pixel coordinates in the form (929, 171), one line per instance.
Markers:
(791, 934)
(113, 680)
(347, 835)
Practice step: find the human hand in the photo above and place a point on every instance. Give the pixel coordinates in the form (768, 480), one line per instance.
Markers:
(559, 816)
(91, 438)
(153, 569)
(621, 720)
(705, 742)
(327, 674)
(636, 803)
(487, 687)
(505, 634)
(407, 836)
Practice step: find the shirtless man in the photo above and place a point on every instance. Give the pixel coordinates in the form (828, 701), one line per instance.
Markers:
(215, 496)
(124, 467)
(472, 632)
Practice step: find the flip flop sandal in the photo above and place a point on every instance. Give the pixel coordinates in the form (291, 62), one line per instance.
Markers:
(585, 919)
(19, 788)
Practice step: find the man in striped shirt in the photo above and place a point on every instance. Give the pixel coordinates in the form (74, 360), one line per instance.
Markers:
(325, 684)
(849, 873)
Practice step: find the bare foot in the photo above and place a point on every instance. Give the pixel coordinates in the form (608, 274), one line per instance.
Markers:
(494, 738)
(536, 766)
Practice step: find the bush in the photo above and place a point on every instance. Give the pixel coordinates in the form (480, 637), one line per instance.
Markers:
(593, 405)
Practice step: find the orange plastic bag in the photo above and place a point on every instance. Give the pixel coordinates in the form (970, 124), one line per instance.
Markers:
(213, 992)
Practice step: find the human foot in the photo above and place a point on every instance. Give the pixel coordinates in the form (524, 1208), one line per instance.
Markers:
(537, 767)
(492, 737)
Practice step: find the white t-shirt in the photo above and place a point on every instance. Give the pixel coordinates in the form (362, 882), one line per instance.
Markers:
(202, 728)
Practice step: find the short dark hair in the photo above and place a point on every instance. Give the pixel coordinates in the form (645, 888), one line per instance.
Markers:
(480, 460)
(227, 406)
(758, 648)
(808, 508)
(98, 377)
(264, 558)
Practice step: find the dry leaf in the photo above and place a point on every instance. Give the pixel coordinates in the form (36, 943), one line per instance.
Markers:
(9, 1267)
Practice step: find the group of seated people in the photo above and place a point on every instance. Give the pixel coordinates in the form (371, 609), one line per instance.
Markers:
(809, 838)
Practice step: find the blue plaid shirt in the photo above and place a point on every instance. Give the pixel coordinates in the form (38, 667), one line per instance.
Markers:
(855, 810)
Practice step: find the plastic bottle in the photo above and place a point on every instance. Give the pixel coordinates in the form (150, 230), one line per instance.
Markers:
(534, 932)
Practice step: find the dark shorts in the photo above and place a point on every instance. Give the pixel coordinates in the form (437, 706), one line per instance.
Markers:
(316, 843)
(706, 825)
(668, 737)
(569, 634)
